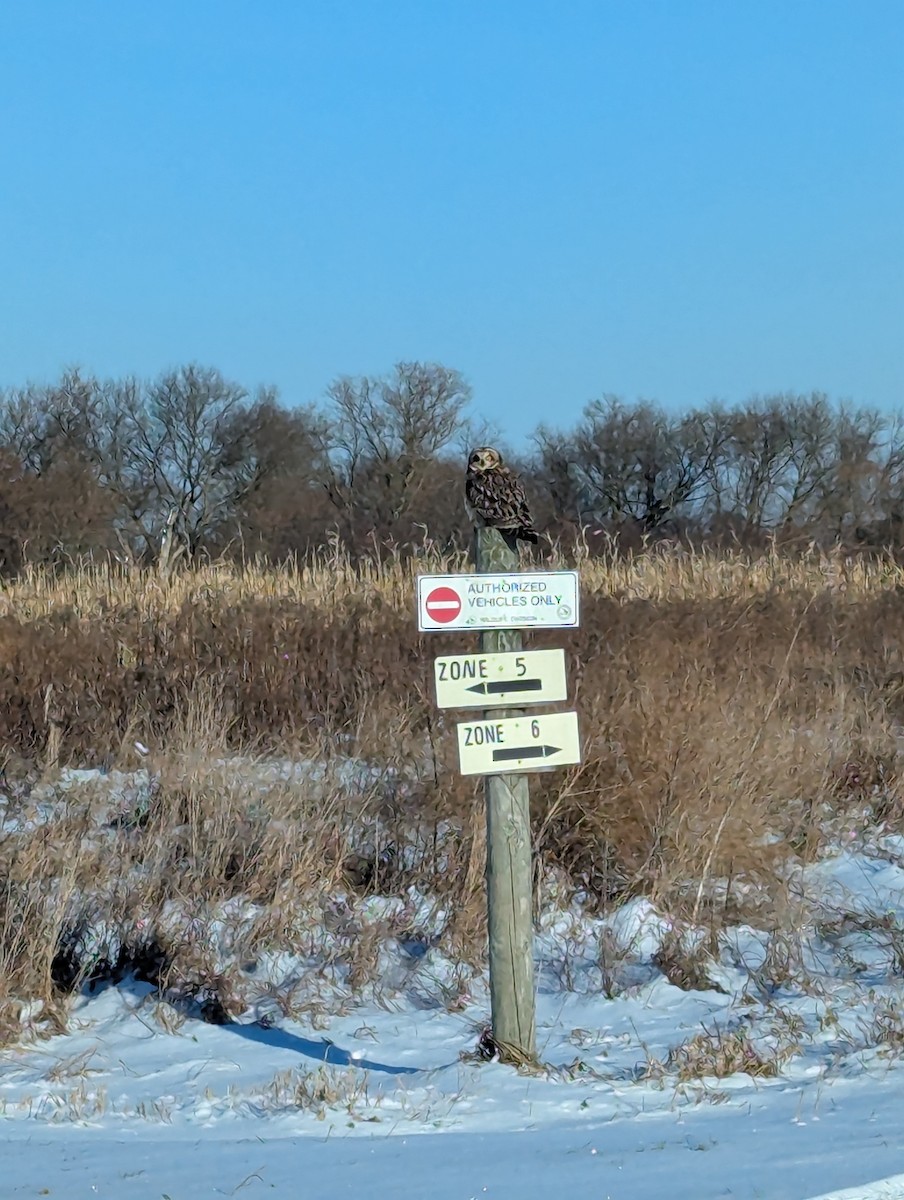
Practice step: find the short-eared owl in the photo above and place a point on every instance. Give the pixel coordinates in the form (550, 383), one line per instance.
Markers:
(494, 495)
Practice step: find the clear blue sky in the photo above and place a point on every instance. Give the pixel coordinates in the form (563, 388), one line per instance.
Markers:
(674, 199)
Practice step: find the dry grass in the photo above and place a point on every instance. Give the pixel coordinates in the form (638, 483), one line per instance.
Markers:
(667, 573)
(720, 1054)
(734, 711)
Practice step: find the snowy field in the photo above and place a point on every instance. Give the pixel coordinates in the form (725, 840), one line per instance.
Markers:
(120, 1108)
(764, 1066)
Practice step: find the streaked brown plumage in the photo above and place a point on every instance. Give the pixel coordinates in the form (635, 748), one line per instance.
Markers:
(495, 497)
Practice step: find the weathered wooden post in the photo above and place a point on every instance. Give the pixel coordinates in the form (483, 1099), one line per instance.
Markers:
(53, 720)
(509, 879)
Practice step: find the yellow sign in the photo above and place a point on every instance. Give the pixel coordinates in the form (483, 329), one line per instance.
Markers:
(518, 743)
(500, 680)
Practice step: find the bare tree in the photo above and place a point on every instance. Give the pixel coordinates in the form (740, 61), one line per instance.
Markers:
(180, 455)
(41, 424)
(775, 459)
(383, 438)
(185, 452)
(632, 463)
(865, 455)
(277, 506)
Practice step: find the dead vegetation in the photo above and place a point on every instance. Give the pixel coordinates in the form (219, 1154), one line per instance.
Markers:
(734, 712)
(721, 1053)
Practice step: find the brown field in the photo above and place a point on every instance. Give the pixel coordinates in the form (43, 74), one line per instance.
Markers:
(735, 712)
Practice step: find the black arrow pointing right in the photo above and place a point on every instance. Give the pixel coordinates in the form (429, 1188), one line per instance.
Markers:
(507, 685)
(516, 752)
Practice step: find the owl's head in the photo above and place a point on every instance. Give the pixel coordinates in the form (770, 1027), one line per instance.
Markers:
(485, 458)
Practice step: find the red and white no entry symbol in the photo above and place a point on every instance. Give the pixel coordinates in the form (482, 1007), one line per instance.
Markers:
(442, 605)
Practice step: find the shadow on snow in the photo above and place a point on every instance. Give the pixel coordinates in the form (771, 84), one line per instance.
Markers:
(322, 1051)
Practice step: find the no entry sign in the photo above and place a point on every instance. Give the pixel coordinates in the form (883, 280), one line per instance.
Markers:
(442, 605)
(521, 600)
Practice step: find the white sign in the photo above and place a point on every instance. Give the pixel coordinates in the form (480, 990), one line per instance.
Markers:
(520, 600)
(496, 680)
(518, 743)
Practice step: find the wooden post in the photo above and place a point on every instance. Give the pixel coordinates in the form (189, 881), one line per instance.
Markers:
(509, 890)
(54, 734)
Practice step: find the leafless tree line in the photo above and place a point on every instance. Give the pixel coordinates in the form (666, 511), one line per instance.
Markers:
(193, 464)
(789, 467)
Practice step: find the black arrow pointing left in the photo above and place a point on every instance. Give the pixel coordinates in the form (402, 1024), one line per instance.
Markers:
(519, 752)
(498, 686)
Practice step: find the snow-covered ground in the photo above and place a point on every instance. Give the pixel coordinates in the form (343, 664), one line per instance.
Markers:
(120, 1108)
(770, 1066)
(760, 1153)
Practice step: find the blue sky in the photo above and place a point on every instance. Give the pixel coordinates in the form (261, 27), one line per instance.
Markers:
(674, 199)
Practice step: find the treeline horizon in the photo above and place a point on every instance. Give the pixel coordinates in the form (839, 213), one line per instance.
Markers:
(194, 466)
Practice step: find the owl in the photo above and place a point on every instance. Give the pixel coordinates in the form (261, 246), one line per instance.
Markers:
(494, 496)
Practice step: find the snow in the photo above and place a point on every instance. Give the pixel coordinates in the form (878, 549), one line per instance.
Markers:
(883, 1189)
(774, 1069)
(769, 1150)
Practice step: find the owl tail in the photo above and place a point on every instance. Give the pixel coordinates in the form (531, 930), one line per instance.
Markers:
(527, 535)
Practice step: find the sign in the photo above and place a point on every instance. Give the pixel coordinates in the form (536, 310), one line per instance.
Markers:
(491, 680)
(520, 600)
(442, 605)
(490, 747)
